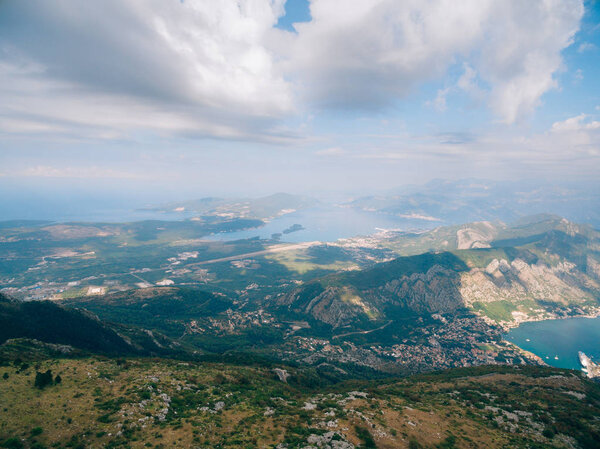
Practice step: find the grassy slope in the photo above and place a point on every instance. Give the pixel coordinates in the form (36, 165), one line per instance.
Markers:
(117, 403)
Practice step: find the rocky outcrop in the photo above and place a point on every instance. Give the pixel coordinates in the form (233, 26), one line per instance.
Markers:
(526, 287)
(517, 280)
(435, 290)
(476, 235)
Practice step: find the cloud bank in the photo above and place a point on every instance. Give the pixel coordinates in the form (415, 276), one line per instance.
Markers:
(114, 68)
(198, 67)
(367, 54)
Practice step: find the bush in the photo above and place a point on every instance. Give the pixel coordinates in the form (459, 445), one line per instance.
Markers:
(366, 437)
(36, 431)
(12, 443)
(413, 444)
(448, 443)
(43, 379)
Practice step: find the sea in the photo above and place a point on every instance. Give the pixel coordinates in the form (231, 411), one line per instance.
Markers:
(327, 224)
(558, 342)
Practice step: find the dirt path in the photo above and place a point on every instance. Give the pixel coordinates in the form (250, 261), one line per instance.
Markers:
(363, 332)
(274, 249)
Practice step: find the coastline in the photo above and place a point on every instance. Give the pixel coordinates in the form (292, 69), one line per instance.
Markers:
(539, 344)
(508, 325)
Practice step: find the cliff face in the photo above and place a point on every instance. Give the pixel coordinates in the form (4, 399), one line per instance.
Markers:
(422, 284)
(504, 280)
(550, 274)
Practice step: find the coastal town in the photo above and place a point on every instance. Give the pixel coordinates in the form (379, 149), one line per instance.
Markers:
(441, 342)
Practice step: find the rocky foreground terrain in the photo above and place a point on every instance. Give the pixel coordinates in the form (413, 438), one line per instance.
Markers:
(94, 402)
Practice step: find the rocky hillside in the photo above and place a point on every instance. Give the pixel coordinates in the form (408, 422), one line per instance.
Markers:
(427, 283)
(158, 403)
(539, 268)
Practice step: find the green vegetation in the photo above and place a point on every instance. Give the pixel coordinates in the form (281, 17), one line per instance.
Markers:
(43, 379)
(496, 310)
(343, 335)
(149, 402)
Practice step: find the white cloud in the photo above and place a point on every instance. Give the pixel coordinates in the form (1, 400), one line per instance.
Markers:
(439, 103)
(577, 123)
(197, 67)
(367, 54)
(364, 54)
(117, 68)
(467, 80)
(521, 51)
(585, 46)
(570, 148)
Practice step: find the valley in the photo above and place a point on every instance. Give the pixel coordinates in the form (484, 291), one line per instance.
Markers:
(189, 340)
(393, 302)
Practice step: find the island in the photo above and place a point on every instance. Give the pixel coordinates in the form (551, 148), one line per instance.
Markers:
(294, 228)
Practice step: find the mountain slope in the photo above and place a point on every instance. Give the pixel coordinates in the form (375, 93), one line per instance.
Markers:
(50, 323)
(160, 403)
(538, 268)
(427, 283)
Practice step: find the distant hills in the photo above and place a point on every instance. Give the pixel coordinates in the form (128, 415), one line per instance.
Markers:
(263, 208)
(394, 302)
(467, 200)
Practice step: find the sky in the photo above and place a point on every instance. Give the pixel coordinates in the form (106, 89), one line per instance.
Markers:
(192, 98)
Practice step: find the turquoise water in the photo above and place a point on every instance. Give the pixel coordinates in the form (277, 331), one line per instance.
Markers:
(559, 338)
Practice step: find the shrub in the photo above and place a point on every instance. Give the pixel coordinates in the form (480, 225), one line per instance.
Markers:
(448, 443)
(36, 431)
(12, 443)
(104, 418)
(366, 437)
(43, 379)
